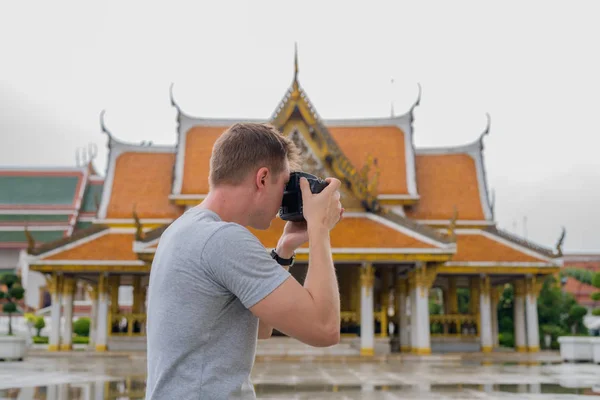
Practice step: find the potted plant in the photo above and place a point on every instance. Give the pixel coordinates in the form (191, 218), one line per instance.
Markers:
(11, 346)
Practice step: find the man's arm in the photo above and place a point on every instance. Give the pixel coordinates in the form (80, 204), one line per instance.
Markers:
(310, 313)
(265, 331)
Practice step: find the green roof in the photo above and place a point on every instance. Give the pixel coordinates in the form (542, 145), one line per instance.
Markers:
(23, 218)
(82, 225)
(38, 236)
(38, 190)
(93, 193)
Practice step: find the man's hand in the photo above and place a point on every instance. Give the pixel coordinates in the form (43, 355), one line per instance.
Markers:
(294, 235)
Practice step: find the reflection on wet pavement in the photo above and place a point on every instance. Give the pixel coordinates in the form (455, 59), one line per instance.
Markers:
(87, 378)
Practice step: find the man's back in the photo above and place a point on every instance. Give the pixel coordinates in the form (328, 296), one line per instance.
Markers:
(201, 337)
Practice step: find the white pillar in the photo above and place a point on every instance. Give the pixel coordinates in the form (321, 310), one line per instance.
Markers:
(93, 315)
(485, 315)
(54, 287)
(420, 280)
(413, 315)
(52, 392)
(402, 316)
(367, 324)
(495, 295)
(533, 335)
(99, 390)
(519, 317)
(102, 321)
(422, 337)
(67, 334)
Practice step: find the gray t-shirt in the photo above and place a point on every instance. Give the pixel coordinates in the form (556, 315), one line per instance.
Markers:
(201, 336)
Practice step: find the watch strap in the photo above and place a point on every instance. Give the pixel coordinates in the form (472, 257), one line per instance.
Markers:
(282, 261)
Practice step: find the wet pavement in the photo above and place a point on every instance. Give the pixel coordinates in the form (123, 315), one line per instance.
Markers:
(85, 377)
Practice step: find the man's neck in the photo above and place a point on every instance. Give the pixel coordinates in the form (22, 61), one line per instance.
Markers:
(229, 203)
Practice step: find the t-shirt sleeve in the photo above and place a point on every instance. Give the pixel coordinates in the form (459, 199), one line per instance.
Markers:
(239, 262)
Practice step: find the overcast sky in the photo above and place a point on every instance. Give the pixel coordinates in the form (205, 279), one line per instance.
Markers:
(532, 65)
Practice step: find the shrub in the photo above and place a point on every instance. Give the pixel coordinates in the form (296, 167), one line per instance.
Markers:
(39, 325)
(13, 291)
(506, 339)
(81, 327)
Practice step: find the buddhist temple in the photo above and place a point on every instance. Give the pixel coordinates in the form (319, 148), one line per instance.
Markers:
(417, 221)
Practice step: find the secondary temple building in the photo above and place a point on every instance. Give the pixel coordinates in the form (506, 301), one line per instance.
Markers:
(417, 220)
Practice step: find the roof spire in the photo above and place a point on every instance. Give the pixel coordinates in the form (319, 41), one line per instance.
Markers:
(295, 85)
(560, 242)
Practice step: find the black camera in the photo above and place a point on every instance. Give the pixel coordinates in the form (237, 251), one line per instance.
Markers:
(291, 204)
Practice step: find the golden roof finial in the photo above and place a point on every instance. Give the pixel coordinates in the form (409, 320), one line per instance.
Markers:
(30, 240)
(139, 233)
(452, 224)
(295, 85)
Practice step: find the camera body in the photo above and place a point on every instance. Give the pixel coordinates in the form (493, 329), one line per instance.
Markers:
(291, 204)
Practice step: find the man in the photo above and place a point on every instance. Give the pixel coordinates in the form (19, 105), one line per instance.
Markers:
(214, 289)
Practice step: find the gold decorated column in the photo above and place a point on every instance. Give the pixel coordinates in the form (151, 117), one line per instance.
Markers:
(384, 299)
(137, 294)
(402, 316)
(68, 291)
(495, 294)
(533, 285)
(55, 289)
(102, 320)
(452, 296)
(114, 283)
(93, 294)
(367, 329)
(519, 316)
(485, 314)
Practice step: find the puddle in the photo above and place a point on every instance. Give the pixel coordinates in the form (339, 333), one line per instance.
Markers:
(133, 389)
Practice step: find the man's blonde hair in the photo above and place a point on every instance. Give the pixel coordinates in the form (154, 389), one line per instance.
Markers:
(244, 147)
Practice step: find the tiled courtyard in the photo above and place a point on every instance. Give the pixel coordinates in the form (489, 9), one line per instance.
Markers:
(87, 377)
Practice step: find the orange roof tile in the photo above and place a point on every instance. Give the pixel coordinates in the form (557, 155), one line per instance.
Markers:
(109, 247)
(198, 149)
(386, 143)
(477, 247)
(351, 232)
(143, 179)
(445, 181)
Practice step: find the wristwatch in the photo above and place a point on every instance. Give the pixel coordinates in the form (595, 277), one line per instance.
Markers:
(283, 261)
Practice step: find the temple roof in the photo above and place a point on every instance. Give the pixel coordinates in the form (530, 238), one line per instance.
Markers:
(41, 189)
(95, 248)
(449, 178)
(138, 179)
(48, 202)
(356, 233)
(485, 247)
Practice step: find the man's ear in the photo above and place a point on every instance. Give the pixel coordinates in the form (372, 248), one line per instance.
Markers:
(261, 177)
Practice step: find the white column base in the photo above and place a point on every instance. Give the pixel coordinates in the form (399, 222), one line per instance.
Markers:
(404, 333)
(367, 324)
(55, 311)
(533, 335)
(519, 318)
(102, 322)
(422, 342)
(485, 322)
(67, 334)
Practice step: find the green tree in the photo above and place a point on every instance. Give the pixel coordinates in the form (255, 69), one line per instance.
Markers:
(11, 292)
(81, 327)
(463, 295)
(557, 313)
(39, 325)
(596, 295)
